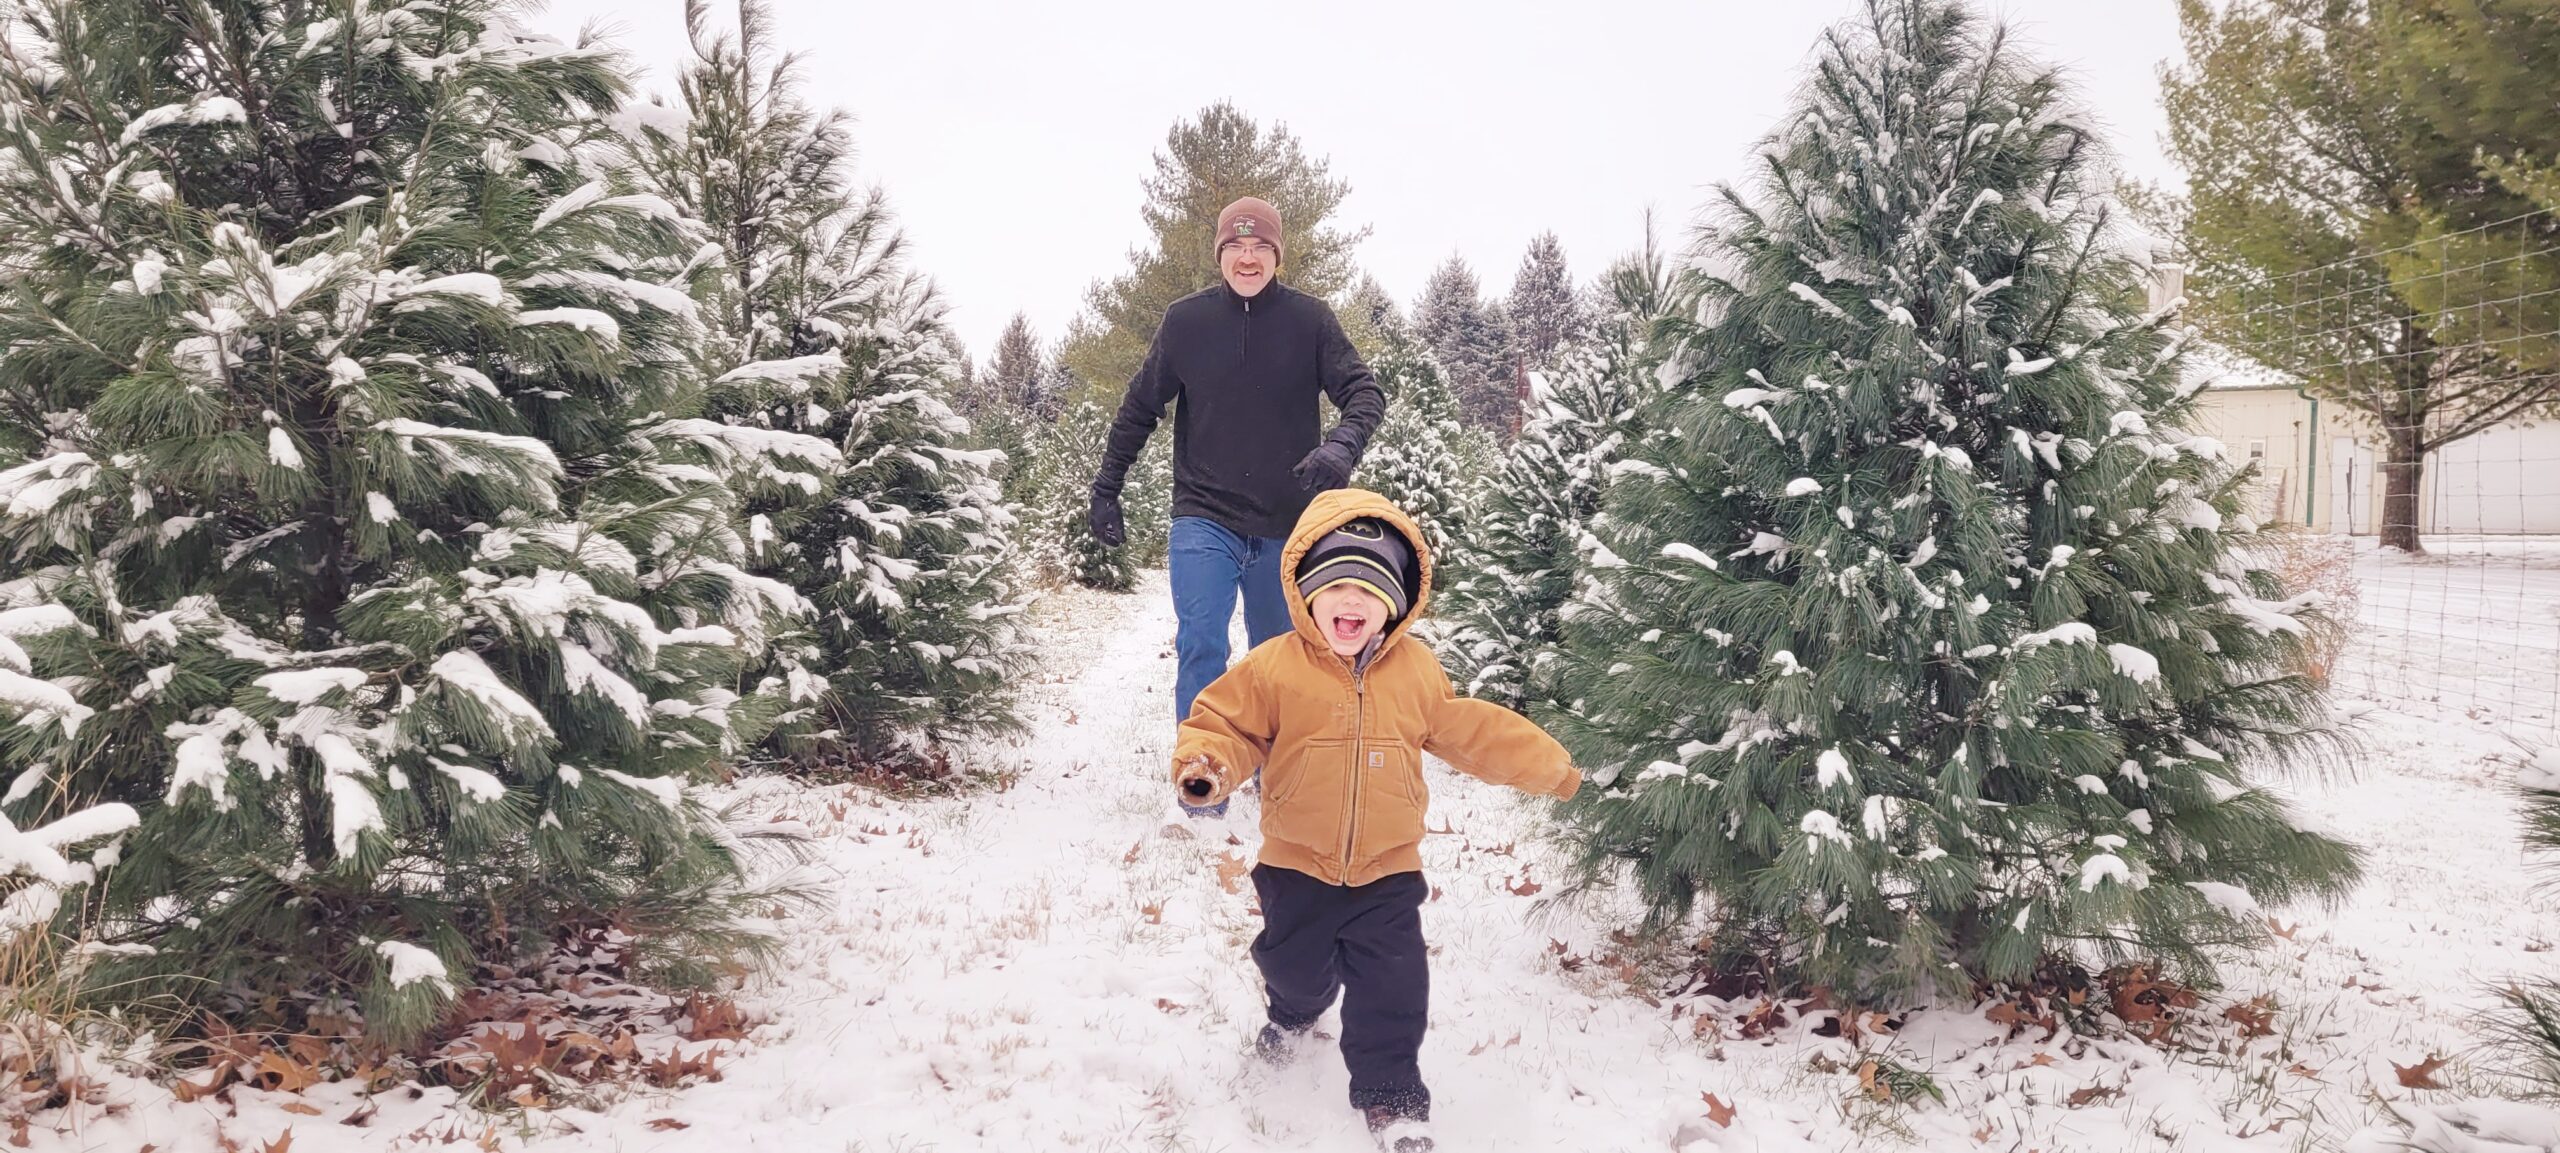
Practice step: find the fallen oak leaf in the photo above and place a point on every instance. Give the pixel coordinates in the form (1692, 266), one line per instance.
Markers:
(2256, 1019)
(2080, 1097)
(2421, 1075)
(1718, 1111)
(1231, 868)
(663, 1124)
(301, 1108)
(198, 1086)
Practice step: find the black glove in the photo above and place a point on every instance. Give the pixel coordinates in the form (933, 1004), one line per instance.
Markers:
(1325, 469)
(1104, 520)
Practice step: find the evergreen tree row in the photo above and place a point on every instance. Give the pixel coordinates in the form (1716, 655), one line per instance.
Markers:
(427, 463)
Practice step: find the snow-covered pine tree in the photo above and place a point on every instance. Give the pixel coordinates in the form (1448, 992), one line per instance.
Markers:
(1927, 643)
(1059, 541)
(1530, 518)
(365, 535)
(1471, 340)
(820, 327)
(1422, 458)
(2524, 1031)
(1545, 309)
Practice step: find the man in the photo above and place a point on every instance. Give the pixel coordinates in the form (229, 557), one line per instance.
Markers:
(1245, 360)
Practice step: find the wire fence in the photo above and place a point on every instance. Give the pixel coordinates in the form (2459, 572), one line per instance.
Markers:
(2405, 403)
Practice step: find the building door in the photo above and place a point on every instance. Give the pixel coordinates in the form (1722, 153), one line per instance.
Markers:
(2351, 493)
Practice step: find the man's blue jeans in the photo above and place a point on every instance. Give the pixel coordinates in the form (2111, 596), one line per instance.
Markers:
(1208, 565)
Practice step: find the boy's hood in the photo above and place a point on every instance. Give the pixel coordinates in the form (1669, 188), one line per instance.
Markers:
(1329, 511)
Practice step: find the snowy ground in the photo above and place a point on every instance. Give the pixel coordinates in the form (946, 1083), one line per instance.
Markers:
(2472, 629)
(1037, 968)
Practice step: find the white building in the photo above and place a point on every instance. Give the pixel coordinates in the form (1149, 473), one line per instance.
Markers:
(2319, 463)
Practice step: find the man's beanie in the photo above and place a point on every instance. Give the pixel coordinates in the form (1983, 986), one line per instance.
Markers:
(1367, 552)
(1249, 217)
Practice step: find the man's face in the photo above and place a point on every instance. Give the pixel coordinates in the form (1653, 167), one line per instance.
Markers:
(1248, 264)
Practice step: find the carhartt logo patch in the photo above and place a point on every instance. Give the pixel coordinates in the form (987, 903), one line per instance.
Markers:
(1377, 760)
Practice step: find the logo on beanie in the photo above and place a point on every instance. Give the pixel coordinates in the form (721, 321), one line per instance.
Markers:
(1363, 528)
(1244, 227)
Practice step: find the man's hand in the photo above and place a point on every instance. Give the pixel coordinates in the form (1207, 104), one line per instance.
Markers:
(1105, 519)
(1198, 775)
(1325, 469)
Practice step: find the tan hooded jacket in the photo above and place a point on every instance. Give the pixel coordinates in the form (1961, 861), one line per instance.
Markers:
(1341, 748)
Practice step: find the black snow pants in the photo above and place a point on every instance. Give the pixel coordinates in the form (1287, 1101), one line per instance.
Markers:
(1366, 942)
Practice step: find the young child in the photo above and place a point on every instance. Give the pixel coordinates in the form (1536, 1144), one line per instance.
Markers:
(1337, 715)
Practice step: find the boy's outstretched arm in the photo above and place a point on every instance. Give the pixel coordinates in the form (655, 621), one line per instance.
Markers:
(1226, 736)
(1492, 743)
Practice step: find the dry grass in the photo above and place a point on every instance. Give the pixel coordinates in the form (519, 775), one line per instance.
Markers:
(2323, 563)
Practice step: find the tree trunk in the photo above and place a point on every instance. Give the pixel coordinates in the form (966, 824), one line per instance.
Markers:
(2403, 468)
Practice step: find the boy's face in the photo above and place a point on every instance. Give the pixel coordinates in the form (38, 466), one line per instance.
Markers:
(1349, 615)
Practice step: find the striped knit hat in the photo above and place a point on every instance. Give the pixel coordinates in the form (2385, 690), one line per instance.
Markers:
(1367, 552)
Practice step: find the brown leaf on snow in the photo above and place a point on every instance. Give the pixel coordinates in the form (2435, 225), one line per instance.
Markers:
(1526, 887)
(1168, 1005)
(2150, 1005)
(2040, 1059)
(1868, 1084)
(1718, 1111)
(2080, 1097)
(2256, 1019)
(2301, 1070)
(301, 1108)
(1154, 912)
(201, 1085)
(282, 1144)
(663, 1124)
(1763, 1020)
(1131, 857)
(282, 1073)
(2281, 929)
(1231, 868)
(710, 1019)
(2421, 1075)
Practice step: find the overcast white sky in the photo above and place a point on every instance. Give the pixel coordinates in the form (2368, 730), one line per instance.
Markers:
(1012, 136)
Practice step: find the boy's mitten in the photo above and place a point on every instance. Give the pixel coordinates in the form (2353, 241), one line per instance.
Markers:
(1325, 469)
(1199, 777)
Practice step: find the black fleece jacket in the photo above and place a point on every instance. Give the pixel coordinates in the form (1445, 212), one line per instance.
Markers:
(1245, 371)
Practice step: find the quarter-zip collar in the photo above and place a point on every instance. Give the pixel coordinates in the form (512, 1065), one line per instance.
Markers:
(1258, 301)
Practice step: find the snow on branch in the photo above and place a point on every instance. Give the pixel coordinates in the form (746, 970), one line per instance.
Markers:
(514, 718)
(796, 373)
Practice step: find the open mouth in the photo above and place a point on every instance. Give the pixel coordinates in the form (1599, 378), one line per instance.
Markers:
(1349, 626)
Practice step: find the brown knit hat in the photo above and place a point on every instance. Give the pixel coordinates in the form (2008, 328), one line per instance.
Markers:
(1249, 217)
